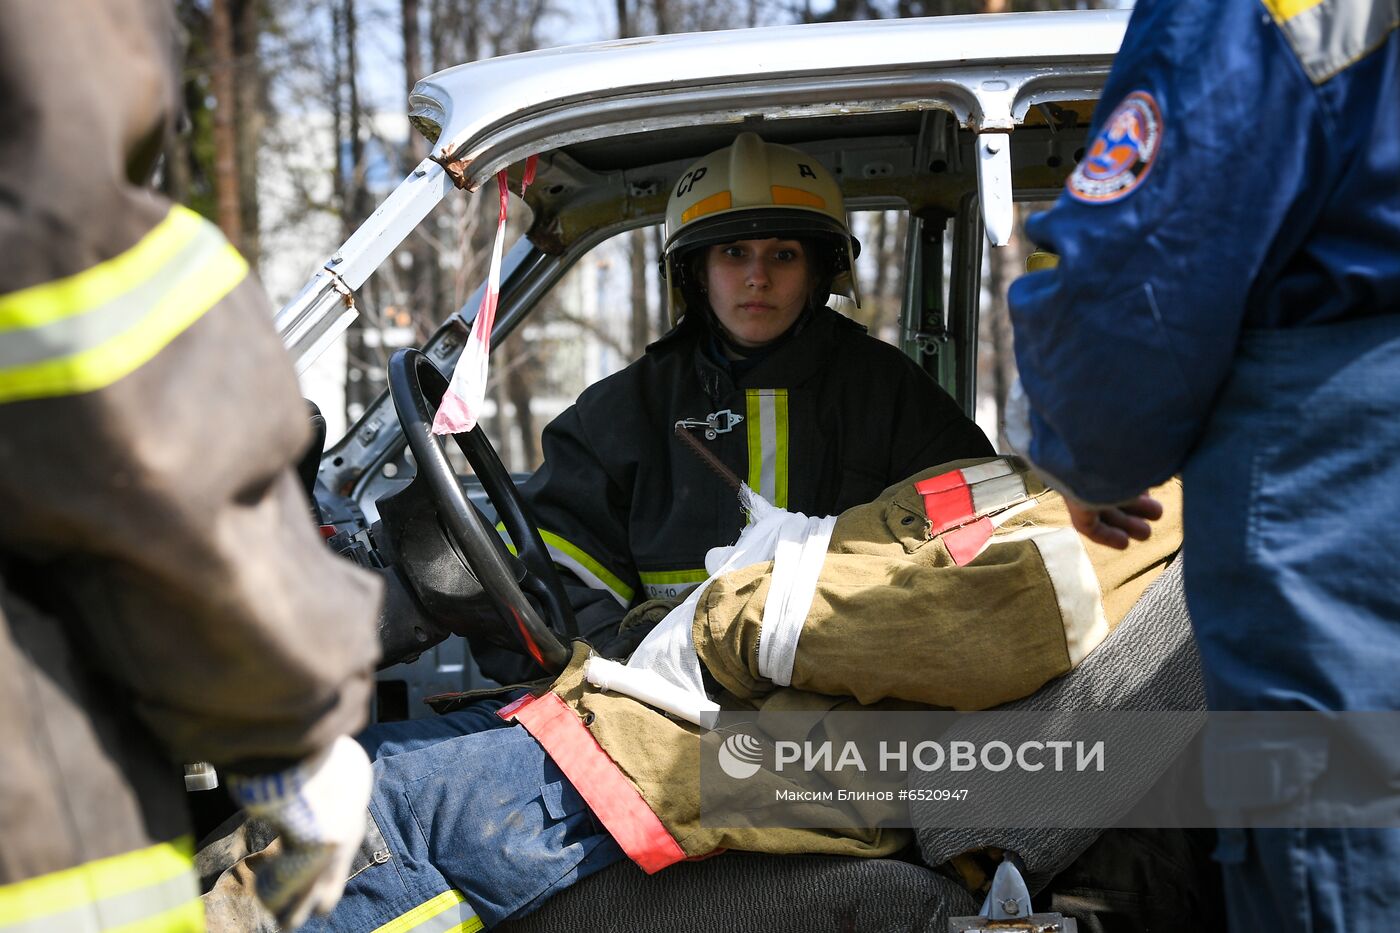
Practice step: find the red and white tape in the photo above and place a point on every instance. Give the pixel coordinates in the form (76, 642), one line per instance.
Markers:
(466, 394)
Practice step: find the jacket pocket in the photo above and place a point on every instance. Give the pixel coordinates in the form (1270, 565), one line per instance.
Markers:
(373, 851)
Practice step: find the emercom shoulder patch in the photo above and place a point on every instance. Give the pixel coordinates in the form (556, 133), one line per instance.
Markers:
(1122, 154)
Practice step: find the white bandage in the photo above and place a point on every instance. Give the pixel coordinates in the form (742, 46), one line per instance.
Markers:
(652, 689)
(797, 564)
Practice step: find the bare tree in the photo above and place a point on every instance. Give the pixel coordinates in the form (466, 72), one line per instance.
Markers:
(640, 328)
(250, 116)
(221, 75)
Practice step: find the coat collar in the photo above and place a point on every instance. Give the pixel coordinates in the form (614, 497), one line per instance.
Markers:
(804, 356)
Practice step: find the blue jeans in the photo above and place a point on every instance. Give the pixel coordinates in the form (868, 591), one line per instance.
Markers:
(471, 804)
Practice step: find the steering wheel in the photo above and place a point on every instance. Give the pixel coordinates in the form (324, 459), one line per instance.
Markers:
(416, 387)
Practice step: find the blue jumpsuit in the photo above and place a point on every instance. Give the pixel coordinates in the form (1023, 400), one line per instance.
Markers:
(1227, 304)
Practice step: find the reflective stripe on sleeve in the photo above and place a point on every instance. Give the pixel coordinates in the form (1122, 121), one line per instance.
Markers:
(86, 331)
(586, 567)
(1076, 585)
(1328, 37)
(768, 444)
(151, 890)
(590, 571)
(449, 912)
(671, 583)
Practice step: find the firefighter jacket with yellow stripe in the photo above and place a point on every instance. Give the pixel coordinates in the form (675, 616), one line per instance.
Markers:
(163, 597)
(824, 422)
(962, 587)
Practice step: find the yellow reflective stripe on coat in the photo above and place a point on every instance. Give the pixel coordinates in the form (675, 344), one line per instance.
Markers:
(86, 331)
(449, 912)
(584, 565)
(671, 583)
(151, 890)
(768, 443)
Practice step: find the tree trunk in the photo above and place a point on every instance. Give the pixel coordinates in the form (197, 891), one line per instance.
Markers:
(362, 355)
(663, 297)
(250, 119)
(496, 388)
(412, 51)
(876, 297)
(641, 320)
(175, 173)
(358, 208)
(420, 283)
(228, 212)
(520, 379)
(336, 93)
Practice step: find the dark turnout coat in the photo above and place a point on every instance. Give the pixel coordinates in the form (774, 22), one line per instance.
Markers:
(829, 419)
(163, 597)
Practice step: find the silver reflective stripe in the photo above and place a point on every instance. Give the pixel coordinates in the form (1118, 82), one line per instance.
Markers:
(148, 903)
(768, 431)
(118, 910)
(94, 327)
(1330, 35)
(459, 917)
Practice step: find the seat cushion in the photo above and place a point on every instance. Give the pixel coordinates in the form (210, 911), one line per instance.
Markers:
(741, 892)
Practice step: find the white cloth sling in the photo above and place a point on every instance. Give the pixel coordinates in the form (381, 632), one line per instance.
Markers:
(664, 671)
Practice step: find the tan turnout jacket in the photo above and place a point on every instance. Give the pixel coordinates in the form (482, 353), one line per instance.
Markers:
(963, 587)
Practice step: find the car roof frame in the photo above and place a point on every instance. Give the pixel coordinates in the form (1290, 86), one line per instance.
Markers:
(998, 67)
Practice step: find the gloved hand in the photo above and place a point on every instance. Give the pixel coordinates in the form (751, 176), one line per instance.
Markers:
(635, 626)
(319, 806)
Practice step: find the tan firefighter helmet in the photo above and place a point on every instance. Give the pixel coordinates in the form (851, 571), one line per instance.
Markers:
(753, 190)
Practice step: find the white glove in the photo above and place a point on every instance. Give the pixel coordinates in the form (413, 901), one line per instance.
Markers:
(320, 808)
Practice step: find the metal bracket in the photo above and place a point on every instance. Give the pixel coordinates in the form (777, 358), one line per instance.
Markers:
(994, 185)
(930, 344)
(715, 423)
(1008, 909)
